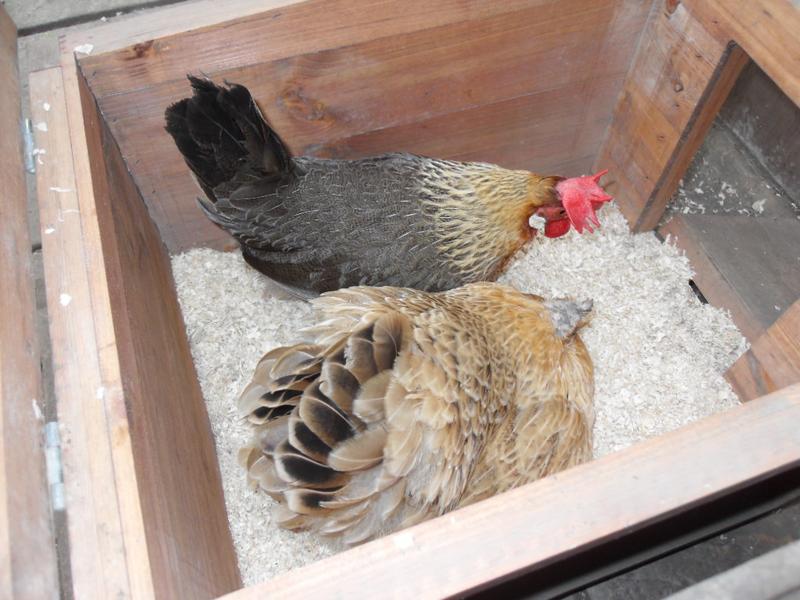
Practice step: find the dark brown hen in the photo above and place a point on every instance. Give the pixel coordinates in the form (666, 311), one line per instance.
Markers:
(321, 224)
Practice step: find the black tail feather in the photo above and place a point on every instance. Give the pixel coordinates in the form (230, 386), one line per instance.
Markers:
(224, 138)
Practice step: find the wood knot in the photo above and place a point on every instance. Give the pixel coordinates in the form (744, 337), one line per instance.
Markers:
(677, 86)
(300, 106)
(671, 6)
(141, 50)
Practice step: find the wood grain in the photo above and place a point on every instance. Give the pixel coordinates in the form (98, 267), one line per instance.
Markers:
(773, 361)
(98, 556)
(719, 86)
(189, 545)
(767, 30)
(665, 92)
(294, 29)
(138, 527)
(524, 84)
(163, 21)
(683, 71)
(537, 524)
(27, 549)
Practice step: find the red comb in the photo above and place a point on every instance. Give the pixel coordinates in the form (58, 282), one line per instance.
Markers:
(581, 197)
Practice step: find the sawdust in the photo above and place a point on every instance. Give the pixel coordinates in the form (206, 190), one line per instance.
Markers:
(659, 353)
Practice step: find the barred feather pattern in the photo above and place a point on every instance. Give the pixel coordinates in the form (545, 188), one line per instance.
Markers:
(403, 405)
(480, 212)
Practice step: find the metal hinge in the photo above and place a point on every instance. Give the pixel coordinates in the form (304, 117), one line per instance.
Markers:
(55, 473)
(30, 146)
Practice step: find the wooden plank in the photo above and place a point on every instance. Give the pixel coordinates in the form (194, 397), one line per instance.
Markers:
(711, 282)
(684, 70)
(189, 544)
(767, 30)
(537, 524)
(669, 89)
(773, 361)
(293, 29)
(27, 550)
(525, 84)
(164, 21)
(717, 90)
(97, 550)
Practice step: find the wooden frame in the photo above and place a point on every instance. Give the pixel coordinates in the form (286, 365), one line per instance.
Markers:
(27, 551)
(145, 504)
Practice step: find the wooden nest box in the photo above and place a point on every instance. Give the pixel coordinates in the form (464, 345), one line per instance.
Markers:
(567, 86)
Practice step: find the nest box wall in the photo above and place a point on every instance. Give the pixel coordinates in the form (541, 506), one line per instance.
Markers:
(523, 83)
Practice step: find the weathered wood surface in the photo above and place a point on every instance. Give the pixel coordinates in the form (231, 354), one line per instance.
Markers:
(189, 544)
(83, 394)
(561, 515)
(663, 95)
(27, 551)
(527, 84)
(767, 30)
(146, 517)
(682, 73)
(773, 361)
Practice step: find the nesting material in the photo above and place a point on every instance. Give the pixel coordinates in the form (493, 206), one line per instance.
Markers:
(659, 354)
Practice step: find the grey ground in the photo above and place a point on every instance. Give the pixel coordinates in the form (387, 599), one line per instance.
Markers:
(41, 21)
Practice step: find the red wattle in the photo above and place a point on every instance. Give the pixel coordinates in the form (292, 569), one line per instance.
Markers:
(554, 229)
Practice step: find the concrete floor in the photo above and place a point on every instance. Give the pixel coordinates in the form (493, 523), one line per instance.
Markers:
(40, 23)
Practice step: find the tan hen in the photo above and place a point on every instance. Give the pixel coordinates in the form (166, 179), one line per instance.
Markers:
(408, 404)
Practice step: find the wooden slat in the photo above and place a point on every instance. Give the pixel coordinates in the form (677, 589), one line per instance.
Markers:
(289, 30)
(768, 30)
(27, 550)
(142, 521)
(85, 395)
(188, 540)
(561, 515)
(773, 361)
(527, 84)
(719, 86)
(667, 90)
(684, 70)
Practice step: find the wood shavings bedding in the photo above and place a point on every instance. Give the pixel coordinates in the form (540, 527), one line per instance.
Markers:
(659, 353)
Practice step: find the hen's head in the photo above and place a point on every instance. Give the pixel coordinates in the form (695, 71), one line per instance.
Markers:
(578, 199)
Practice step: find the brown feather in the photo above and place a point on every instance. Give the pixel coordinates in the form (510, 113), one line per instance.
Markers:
(408, 404)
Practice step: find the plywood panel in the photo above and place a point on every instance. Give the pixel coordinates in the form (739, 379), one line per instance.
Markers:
(27, 551)
(525, 84)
